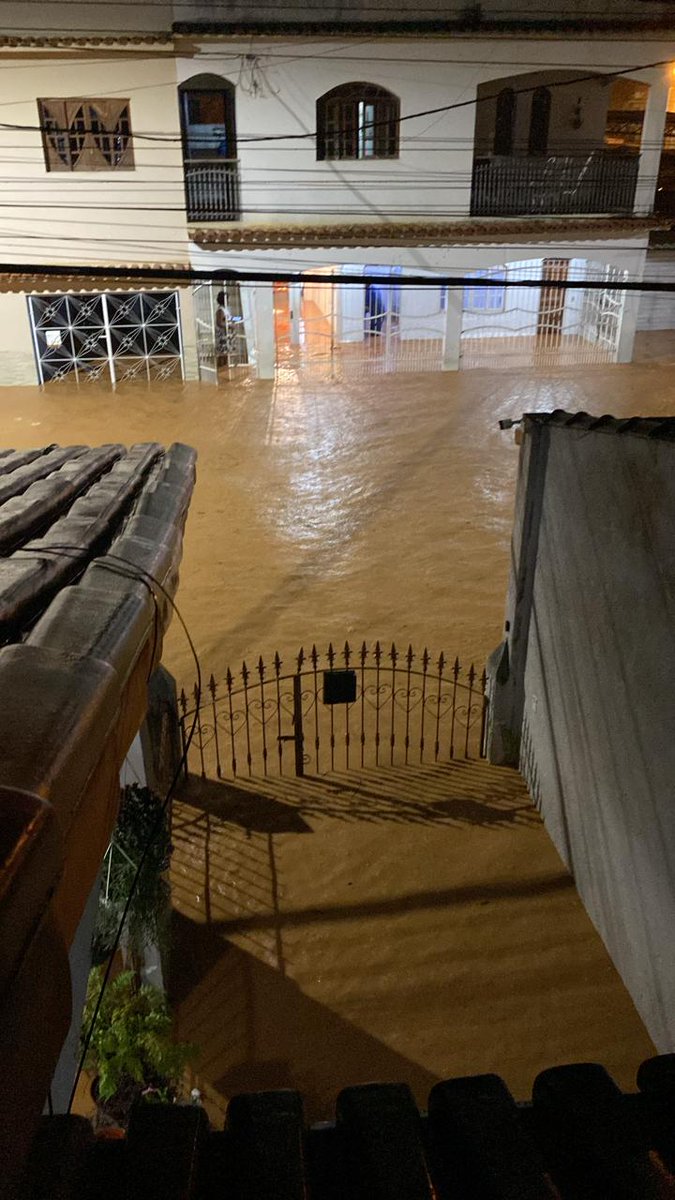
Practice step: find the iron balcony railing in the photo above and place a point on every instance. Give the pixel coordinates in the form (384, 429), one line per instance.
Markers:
(599, 182)
(212, 189)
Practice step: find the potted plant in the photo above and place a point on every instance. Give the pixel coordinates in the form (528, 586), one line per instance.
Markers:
(147, 922)
(131, 1052)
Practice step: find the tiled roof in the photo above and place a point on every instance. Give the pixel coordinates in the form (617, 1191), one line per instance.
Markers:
(467, 24)
(470, 231)
(96, 278)
(661, 428)
(579, 1139)
(66, 40)
(90, 544)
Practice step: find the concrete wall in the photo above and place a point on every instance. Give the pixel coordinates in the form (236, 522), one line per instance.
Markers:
(598, 749)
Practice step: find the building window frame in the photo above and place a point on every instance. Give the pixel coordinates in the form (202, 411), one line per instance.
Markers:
(480, 299)
(540, 123)
(86, 134)
(505, 119)
(357, 121)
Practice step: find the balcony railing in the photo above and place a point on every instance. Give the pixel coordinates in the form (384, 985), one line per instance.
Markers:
(599, 182)
(212, 189)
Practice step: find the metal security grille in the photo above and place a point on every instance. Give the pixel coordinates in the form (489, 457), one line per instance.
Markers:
(221, 350)
(113, 336)
(389, 330)
(342, 710)
(547, 327)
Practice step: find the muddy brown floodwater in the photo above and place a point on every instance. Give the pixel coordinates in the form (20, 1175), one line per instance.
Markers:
(395, 924)
(374, 509)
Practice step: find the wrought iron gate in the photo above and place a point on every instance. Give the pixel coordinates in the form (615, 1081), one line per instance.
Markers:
(220, 349)
(111, 336)
(340, 711)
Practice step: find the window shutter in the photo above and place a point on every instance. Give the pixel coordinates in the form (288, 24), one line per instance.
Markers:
(81, 134)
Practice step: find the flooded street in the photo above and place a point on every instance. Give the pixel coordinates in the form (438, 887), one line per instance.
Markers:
(407, 924)
(324, 510)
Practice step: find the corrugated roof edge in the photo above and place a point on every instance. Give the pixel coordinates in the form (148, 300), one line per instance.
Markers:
(661, 428)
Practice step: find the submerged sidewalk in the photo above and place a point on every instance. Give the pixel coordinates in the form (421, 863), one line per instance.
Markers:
(410, 924)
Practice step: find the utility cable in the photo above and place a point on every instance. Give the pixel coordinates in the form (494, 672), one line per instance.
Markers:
(386, 122)
(227, 275)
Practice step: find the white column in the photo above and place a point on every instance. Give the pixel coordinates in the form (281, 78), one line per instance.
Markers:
(652, 141)
(453, 329)
(294, 312)
(263, 309)
(188, 329)
(352, 306)
(631, 305)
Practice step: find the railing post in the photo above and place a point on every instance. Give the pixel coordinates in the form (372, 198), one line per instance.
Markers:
(298, 735)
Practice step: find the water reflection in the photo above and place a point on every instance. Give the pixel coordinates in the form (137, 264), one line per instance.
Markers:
(379, 507)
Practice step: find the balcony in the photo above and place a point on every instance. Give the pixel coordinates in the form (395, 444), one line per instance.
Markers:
(598, 182)
(212, 189)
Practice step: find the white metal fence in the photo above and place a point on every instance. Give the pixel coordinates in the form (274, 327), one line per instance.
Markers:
(548, 327)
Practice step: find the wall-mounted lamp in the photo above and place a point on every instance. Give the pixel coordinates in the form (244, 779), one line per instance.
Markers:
(577, 118)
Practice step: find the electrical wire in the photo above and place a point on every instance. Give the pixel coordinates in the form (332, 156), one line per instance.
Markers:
(441, 279)
(387, 122)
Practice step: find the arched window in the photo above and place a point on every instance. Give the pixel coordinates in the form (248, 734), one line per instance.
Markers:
(504, 121)
(540, 119)
(207, 118)
(357, 120)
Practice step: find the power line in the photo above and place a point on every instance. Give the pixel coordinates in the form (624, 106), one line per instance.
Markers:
(277, 137)
(192, 275)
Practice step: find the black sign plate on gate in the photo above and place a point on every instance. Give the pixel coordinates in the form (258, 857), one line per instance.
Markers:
(339, 687)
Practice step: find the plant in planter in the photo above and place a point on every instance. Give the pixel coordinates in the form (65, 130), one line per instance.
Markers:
(147, 922)
(131, 1051)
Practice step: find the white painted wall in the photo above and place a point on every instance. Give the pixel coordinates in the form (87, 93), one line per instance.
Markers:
(657, 309)
(95, 216)
(421, 315)
(282, 181)
(598, 694)
(17, 359)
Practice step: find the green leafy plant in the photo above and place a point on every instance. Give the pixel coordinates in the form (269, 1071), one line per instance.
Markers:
(147, 922)
(132, 1050)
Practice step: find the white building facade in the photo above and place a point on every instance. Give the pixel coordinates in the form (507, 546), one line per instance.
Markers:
(474, 147)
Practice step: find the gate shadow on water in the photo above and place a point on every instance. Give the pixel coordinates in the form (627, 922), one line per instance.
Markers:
(286, 977)
(462, 792)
